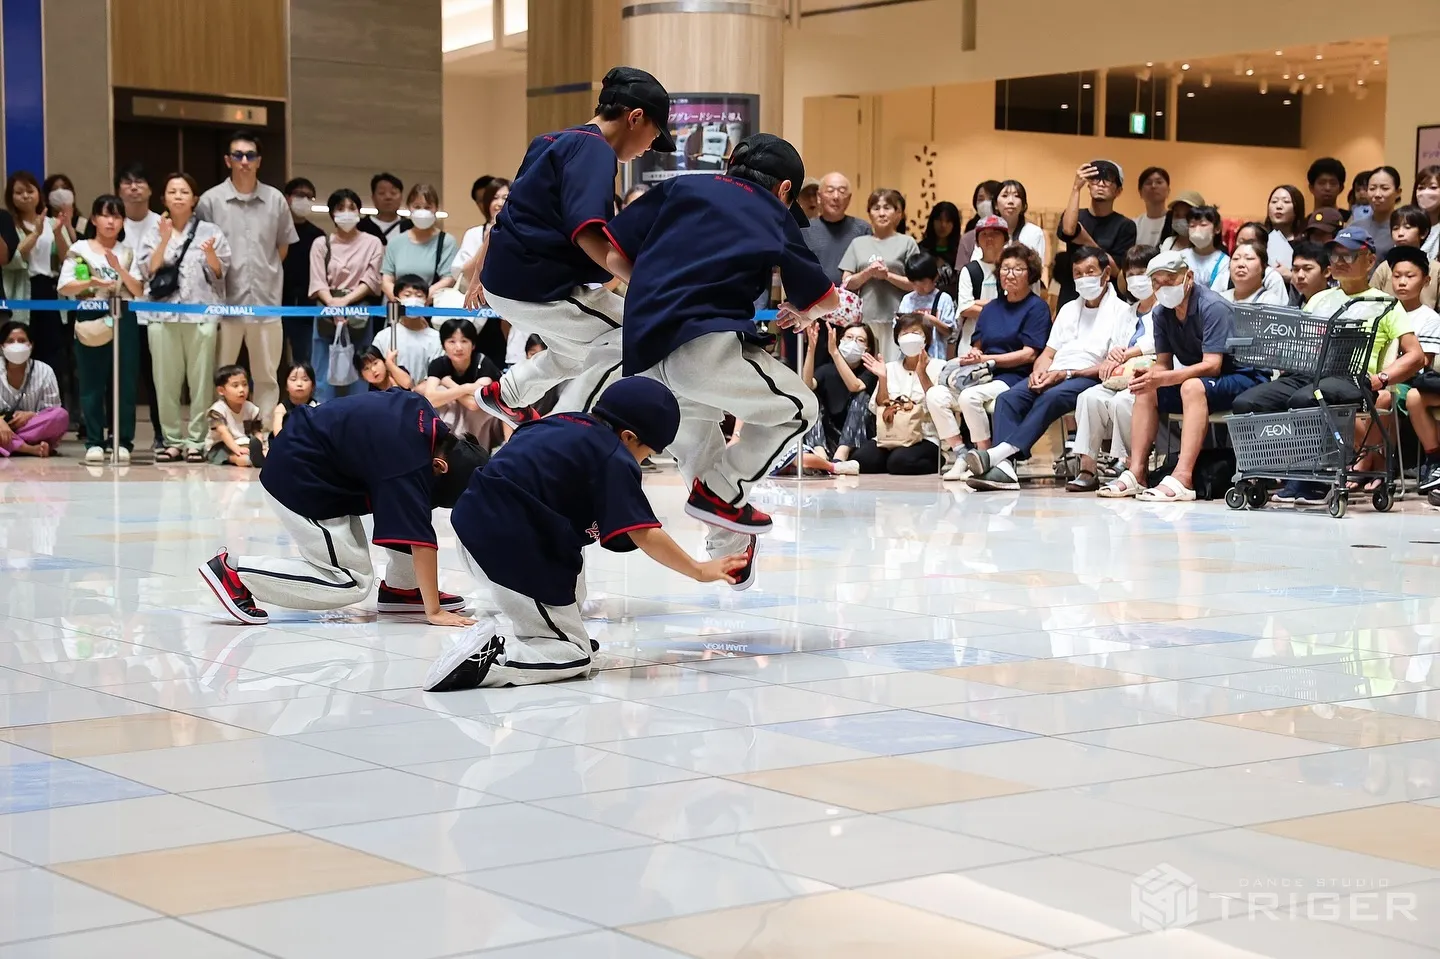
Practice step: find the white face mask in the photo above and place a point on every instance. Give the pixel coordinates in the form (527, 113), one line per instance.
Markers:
(423, 219)
(1170, 296)
(852, 351)
(300, 205)
(1202, 236)
(1089, 287)
(1428, 198)
(60, 199)
(347, 221)
(1140, 286)
(17, 353)
(984, 208)
(1181, 227)
(912, 344)
(412, 300)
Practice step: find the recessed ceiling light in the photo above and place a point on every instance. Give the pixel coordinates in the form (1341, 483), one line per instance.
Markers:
(1375, 62)
(1250, 73)
(1190, 94)
(1287, 102)
(1279, 53)
(1300, 76)
(1149, 63)
(1064, 106)
(1359, 83)
(1319, 56)
(1159, 113)
(1186, 66)
(1084, 86)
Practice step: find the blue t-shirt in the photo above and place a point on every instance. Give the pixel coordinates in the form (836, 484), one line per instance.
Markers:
(565, 183)
(1208, 327)
(366, 453)
(1004, 327)
(703, 248)
(558, 485)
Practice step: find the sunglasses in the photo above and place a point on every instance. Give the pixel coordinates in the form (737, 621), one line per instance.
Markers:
(240, 156)
(1345, 256)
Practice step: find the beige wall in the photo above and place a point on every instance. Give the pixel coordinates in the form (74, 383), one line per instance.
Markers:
(223, 47)
(1410, 101)
(78, 142)
(484, 133)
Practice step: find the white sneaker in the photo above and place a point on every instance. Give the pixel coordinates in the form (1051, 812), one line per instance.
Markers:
(95, 454)
(464, 665)
(846, 468)
(122, 456)
(957, 472)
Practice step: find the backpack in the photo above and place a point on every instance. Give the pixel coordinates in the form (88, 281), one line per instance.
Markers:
(976, 272)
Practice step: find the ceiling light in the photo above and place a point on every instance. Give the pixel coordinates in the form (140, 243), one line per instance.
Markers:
(1279, 53)
(1375, 63)
(1205, 81)
(1300, 76)
(1064, 106)
(1264, 87)
(1285, 75)
(1186, 66)
(1360, 82)
(1250, 72)
(1084, 86)
(1320, 86)
(1159, 113)
(1149, 63)
(1294, 87)
(1191, 94)
(1287, 101)
(1319, 56)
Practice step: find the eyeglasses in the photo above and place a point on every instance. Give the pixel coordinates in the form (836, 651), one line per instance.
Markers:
(1013, 270)
(240, 156)
(1346, 256)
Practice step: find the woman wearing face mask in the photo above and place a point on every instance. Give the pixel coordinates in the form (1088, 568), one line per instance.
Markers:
(32, 421)
(1284, 222)
(900, 388)
(424, 250)
(1176, 234)
(344, 271)
(59, 193)
(1384, 193)
(843, 386)
(1408, 226)
(1208, 262)
(982, 201)
(1426, 195)
(183, 352)
(874, 266)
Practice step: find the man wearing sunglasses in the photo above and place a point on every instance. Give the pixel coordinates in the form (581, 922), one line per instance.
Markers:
(255, 218)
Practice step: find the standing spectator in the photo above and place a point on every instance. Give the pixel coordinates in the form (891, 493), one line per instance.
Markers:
(1284, 221)
(982, 202)
(59, 193)
(1359, 197)
(257, 221)
(299, 330)
(933, 305)
(1099, 226)
(1326, 177)
(477, 191)
(132, 185)
(1011, 205)
(942, 233)
(809, 198)
(1408, 226)
(1155, 191)
(37, 252)
(831, 233)
(1322, 225)
(1208, 260)
(32, 421)
(184, 351)
(424, 250)
(1426, 195)
(106, 271)
(976, 283)
(54, 341)
(344, 271)
(492, 201)
(874, 266)
(1384, 193)
(386, 191)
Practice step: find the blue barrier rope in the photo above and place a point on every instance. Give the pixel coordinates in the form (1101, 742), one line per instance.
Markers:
(200, 309)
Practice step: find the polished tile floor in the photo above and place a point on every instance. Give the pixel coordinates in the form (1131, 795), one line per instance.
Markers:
(945, 724)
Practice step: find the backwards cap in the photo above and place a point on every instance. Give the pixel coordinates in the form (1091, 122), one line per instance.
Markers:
(775, 157)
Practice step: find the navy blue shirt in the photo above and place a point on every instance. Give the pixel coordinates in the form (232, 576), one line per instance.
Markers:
(558, 485)
(566, 183)
(1209, 324)
(703, 249)
(1004, 327)
(370, 452)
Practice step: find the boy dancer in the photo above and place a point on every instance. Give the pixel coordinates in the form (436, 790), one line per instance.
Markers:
(384, 453)
(544, 260)
(558, 485)
(697, 252)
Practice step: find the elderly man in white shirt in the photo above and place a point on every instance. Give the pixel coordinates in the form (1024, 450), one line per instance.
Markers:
(1085, 331)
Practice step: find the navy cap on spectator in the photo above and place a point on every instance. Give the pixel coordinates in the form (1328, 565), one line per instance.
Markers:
(1354, 238)
(1109, 171)
(643, 406)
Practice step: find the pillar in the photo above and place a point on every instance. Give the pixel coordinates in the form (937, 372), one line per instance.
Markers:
(1409, 99)
(569, 46)
(712, 46)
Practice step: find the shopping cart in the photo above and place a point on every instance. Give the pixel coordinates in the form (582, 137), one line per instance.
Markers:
(1310, 445)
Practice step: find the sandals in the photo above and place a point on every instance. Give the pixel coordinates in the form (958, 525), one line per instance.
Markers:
(169, 454)
(194, 456)
(1168, 490)
(1120, 487)
(1082, 485)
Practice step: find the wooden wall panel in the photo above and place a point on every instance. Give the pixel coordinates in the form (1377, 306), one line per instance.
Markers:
(222, 47)
(78, 139)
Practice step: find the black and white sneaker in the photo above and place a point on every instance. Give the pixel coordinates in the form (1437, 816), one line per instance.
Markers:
(745, 576)
(465, 664)
(1429, 474)
(225, 583)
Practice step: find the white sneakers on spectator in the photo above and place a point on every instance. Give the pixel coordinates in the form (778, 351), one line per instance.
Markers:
(123, 456)
(957, 471)
(95, 454)
(845, 468)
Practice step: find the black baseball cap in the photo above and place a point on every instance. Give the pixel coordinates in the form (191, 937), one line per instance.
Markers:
(775, 157)
(636, 89)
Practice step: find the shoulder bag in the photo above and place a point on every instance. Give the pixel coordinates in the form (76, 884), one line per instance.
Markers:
(325, 325)
(901, 424)
(166, 281)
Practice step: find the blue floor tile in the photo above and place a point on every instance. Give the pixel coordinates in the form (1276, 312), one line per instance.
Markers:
(1338, 595)
(898, 731)
(26, 787)
(925, 654)
(16, 563)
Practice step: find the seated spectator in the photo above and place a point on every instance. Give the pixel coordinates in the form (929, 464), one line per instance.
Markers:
(32, 421)
(1155, 192)
(299, 391)
(451, 381)
(1085, 330)
(414, 341)
(1352, 258)
(234, 422)
(1272, 281)
(424, 250)
(1284, 221)
(1194, 375)
(1322, 225)
(1249, 278)
(183, 352)
(1098, 226)
(874, 266)
(380, 371)
(842, 386)
(344, 271)
(1208, 262)
(899, 402)
(1104, 412)
(386, 191)
(1383, 192)
(936, 308)
(942, 233)
(1009, 334)
(1326, 178)
(976, 283)
(1426, 195)
(1177, 232)
(1410, 271)
(1309, 272)
(1409, 226)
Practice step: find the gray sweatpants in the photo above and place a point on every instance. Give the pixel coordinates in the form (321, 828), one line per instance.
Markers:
(582, 336)
(543, 644)
(333, 569)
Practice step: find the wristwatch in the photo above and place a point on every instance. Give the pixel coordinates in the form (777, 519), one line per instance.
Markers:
(1069, 373)
(1384, 378)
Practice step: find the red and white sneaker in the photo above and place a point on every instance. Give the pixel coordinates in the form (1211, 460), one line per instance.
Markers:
(225, 583)
(709, 508)
(745, 575)
(489, 399)
(393, 600)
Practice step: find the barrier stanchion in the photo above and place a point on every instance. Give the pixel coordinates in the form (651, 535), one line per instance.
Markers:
(800, 372)
(117, 317)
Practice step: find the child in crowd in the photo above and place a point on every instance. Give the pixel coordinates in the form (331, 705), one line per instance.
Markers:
(384, 453)
(299, 391)
(690, 323)
(1409, 274)
(413, 341)
(937, 308)
(382, 371)
(559, 484)
(234, 422)
(544, 261)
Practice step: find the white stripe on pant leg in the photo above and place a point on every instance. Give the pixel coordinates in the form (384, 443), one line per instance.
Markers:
(577, 332)
(400, 570)
(333, 569)
(544, 644)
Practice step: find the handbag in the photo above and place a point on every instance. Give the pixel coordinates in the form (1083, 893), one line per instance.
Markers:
(98, 330)
(325, 325)
(342, 358)
(961, 376)
(900, 424)
(166, 281)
